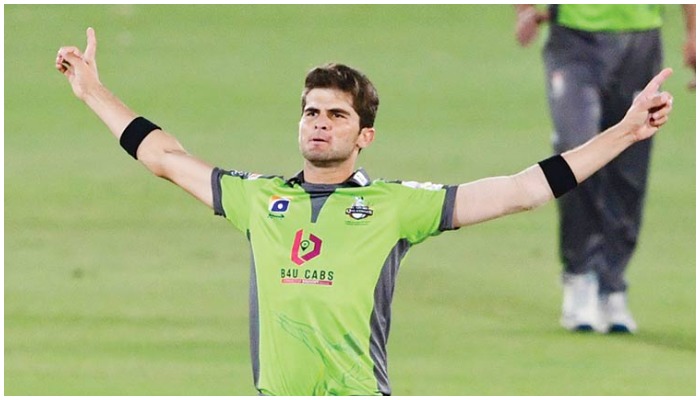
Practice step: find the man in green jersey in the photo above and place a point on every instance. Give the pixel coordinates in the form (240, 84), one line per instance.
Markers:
(597, 58)
(326, 243)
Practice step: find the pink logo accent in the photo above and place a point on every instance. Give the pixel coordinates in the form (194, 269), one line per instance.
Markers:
(302, 245)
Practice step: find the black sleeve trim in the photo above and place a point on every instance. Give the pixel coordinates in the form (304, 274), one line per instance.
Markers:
(216, 175)
(448, 209)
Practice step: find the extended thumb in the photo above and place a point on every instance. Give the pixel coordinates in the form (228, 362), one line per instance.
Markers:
(91, 47)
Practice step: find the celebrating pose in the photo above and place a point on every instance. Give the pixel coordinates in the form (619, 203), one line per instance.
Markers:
(327, 242)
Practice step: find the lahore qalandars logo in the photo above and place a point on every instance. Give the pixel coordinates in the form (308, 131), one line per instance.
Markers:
(359, 210)
(303, 249)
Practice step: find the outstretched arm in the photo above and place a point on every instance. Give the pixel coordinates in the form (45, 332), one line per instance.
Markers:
(491, 198)
(159, 152)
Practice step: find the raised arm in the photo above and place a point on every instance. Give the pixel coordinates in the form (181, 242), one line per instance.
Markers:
(689, 45)
(159, 152)
(491, 198)
(527, 23)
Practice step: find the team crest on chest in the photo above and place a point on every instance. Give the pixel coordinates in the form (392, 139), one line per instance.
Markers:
(359, 209)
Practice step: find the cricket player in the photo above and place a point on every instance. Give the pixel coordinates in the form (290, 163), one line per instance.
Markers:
(327, 242)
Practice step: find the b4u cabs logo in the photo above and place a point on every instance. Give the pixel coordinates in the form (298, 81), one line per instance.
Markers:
(304, 249)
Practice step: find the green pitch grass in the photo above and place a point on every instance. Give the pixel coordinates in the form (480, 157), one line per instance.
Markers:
(117, 283)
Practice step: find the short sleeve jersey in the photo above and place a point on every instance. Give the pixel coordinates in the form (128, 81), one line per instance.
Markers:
(608, 17)
(324, 264)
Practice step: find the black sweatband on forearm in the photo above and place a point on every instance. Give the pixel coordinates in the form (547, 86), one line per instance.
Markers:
(134, 133)
(559, 175)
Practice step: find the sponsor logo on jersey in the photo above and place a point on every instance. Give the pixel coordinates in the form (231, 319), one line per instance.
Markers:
(239, 174)
(304, 249)
(244, 174)
(297, 276)
(277, 206)
(359, 210)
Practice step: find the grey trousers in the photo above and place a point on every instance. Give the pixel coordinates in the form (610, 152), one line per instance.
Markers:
(592, 79)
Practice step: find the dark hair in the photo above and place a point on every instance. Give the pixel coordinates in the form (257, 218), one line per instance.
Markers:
(365, 100)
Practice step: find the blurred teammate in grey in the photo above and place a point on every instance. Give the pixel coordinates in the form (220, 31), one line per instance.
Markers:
(598, 58)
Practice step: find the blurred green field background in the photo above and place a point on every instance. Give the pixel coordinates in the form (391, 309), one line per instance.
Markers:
(117, 283)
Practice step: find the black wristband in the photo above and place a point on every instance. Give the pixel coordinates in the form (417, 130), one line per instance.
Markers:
(134, 133)
(559, 175)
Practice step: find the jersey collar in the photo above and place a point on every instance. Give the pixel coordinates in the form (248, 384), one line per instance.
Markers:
(358, 178)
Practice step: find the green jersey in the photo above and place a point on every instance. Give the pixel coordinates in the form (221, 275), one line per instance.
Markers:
(324, 264)
(608, 17)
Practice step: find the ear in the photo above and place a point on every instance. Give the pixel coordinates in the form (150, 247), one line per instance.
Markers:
(365, 138)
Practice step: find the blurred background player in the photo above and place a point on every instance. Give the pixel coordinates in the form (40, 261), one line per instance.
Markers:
(597, 58)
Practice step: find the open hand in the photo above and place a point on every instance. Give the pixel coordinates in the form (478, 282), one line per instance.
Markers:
(80, 68)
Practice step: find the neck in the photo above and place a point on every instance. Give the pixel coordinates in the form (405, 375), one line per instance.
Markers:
(327, 174)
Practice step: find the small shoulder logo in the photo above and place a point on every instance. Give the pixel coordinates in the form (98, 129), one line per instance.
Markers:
(244, 175)
(359, 210)
(423, 185)
(277, 206)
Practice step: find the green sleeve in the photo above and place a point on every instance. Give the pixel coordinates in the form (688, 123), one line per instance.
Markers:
(426, 210)
(232, 197)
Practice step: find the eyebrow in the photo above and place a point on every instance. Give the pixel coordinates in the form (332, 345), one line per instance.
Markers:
(332, 110)
(339, 111)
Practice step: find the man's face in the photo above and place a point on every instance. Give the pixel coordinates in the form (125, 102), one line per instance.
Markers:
(329, 130)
